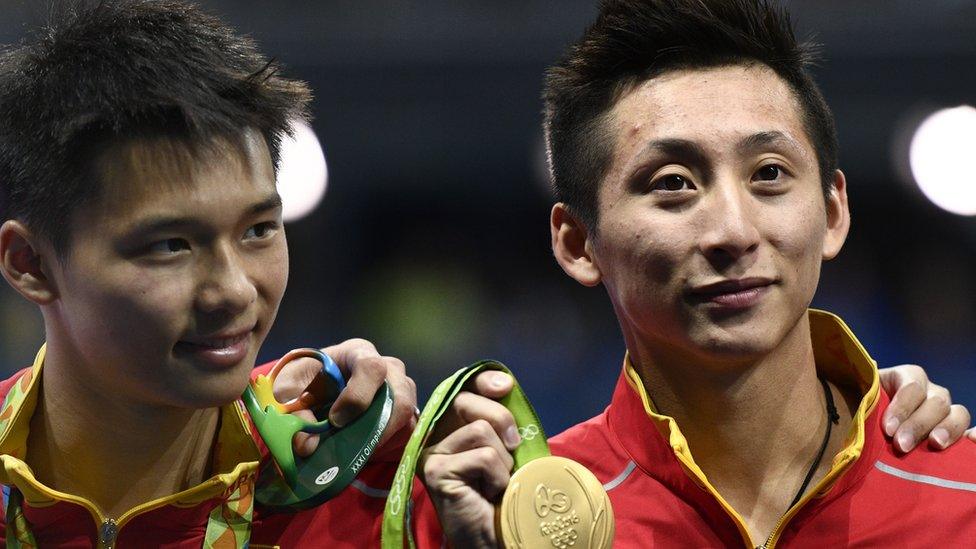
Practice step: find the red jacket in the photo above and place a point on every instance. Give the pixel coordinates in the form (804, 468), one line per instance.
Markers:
(221, 503)
(873, 496)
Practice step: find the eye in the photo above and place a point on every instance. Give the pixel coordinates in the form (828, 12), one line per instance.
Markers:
(260, 230)
(672, 182)
(769, 172)
(169, 246)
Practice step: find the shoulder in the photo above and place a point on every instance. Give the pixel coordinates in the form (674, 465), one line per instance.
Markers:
(923, 498)
(571, 442)
(954, 467)
(923, 491)
(593, 445)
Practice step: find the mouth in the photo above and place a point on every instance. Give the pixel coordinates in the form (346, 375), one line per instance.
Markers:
(732, 294)
(221, 350)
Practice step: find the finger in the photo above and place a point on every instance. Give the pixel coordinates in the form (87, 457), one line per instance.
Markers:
(951, 429)
(404, 415)
(492, 384)
(468, 408)
(971, 434)
(907, 396)
(305, 443)
(295, 378)
(471, 407)
(894, 378)
(367, 374)
(347, 353)
(920, 423)
(477, 439)
(482, 469)
(477, 434)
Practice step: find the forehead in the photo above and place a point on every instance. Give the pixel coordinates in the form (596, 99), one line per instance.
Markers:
(713, 107)
(161, 174)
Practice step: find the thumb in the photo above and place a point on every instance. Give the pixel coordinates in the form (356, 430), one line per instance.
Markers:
(493, 384)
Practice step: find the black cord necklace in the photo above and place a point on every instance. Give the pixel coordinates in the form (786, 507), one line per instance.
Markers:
(833, 418)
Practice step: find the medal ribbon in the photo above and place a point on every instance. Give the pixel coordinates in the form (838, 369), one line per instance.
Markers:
(533, 444)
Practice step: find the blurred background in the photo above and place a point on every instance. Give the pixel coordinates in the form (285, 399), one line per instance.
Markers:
(432, 237)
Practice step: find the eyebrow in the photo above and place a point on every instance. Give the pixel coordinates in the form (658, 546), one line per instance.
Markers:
(679, 148)
(162, 223)
(272, 202)
(690, 151)
(765, 139)
(683, 150)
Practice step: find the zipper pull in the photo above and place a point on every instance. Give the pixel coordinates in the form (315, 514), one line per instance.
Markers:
(107, 533)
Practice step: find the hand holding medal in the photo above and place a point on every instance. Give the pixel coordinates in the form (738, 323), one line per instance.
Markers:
(291, 482)
(548, 502)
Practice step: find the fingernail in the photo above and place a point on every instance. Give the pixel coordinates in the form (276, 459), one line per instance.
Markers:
(499, 380)
(905, 441)
(338, 419)
(310, 445)
(891, 425)
(941, 437)
(512, 438)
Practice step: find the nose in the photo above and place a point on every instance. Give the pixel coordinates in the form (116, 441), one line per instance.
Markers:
(729, 218)
(227, 287)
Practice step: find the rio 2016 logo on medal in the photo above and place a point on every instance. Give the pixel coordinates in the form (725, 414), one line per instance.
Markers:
(555, 503)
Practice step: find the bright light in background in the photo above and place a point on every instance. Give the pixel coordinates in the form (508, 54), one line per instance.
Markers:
(302, 174)
(942, 155)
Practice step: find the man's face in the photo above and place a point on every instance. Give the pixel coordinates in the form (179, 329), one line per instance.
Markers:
(175, 273)
(712, 220)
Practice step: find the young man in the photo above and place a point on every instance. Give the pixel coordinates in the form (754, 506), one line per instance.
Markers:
(139, 212)
(137, 167)
(694, 161)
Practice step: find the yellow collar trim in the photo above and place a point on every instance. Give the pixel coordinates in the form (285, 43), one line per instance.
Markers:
(235, 456)
(841, 359)
(18, 407)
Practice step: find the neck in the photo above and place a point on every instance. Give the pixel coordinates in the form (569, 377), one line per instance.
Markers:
(87, 441)
(754, 428)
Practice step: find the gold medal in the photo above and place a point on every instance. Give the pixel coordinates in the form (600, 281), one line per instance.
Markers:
(554, 502)
(550, 502)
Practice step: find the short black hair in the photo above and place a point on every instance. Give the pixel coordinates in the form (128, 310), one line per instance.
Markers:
(633, 41)
(101, 71)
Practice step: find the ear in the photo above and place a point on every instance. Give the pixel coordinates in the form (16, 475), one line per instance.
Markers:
(22, 265)
(838, 217)
(572, 246)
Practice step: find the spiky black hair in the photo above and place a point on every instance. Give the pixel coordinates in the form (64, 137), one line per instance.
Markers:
(101, 71)
(632, 41)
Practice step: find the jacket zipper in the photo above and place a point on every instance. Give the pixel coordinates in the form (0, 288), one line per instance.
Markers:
(107, 533)
(769, 538)
(838, 468)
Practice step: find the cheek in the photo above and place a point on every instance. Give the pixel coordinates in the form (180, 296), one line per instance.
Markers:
(270, 272)
(799, 240)
(141, 304)
(111, 321)
(645, 260)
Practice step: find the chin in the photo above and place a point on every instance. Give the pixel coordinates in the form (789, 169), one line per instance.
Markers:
(215, 397)
(212, 389)
(728, 345)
